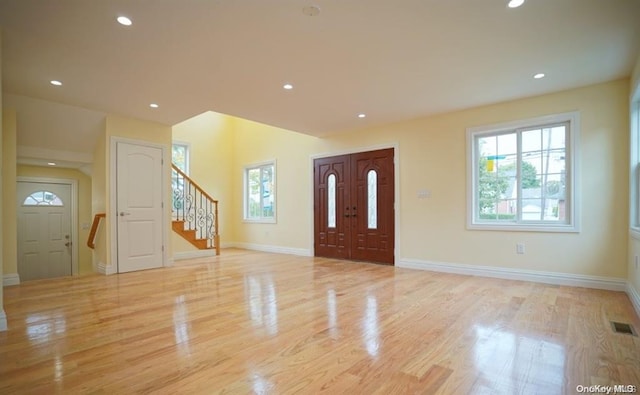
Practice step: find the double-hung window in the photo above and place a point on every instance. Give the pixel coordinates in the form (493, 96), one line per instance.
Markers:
(523, 175)
(260, 192)
(634, 208)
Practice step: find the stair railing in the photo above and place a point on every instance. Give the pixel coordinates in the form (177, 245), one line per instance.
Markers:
(195, 207)
(91, 242)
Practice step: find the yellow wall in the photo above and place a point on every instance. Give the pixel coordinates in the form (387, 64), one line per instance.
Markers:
(84, 205)
(134, 129)
(256, 143)
(99, 201)
(432, 155)
(3, 317)
(210, 136)
(9, 216)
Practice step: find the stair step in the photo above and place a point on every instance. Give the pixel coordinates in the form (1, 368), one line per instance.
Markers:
(190, 235)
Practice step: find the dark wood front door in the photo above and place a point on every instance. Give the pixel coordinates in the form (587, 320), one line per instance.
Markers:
(354, 206)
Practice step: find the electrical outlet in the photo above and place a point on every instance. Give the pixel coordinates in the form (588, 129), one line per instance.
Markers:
(520, 248)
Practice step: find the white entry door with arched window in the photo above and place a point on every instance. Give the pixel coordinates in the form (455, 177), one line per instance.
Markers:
(44, 230)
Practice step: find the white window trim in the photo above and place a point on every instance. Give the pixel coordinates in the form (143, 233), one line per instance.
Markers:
(187, 159)
(634, 165)
(245, 188)
(572, 165)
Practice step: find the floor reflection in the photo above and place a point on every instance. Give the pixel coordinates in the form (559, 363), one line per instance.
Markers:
(332, 314)
(370, 330)
(509, 364)
(181, 325)
(41, 328)
(260, 295)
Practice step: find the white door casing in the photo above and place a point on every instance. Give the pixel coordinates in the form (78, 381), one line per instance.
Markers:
(139, 208)
(46, 233)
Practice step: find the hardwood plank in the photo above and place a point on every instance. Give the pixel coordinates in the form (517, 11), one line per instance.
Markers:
(251, 322)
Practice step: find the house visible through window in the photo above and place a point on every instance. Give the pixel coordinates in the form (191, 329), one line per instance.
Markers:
(523, 175)
(260, 199)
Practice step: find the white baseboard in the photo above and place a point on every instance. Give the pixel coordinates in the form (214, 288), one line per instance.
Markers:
(106, 269)
(10, 279)
(573, 280)
(270, 248)
(3, 320)
(634, 296)
(179, 256)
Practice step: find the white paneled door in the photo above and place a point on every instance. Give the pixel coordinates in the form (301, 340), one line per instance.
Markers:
(139, 207)
(44, 237)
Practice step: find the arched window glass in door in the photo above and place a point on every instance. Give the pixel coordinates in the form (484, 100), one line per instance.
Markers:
(331, 201)
(43, 198)
(372, 199)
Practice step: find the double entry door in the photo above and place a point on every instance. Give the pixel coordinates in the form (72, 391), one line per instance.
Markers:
(354, 206)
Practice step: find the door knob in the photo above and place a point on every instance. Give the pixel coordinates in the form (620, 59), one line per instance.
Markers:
(67, 244)
(122, 213)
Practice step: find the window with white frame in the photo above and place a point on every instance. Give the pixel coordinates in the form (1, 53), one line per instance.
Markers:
(634, 208)
(523, 175)
(180, 156)
(260, 192)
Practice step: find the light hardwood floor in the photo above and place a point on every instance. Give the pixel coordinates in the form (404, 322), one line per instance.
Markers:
(249, 322)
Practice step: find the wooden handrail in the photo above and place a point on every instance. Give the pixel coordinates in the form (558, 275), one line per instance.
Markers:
(198, 187)
(91, 243)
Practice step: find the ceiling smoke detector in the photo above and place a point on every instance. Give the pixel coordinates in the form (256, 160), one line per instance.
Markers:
(311, 10)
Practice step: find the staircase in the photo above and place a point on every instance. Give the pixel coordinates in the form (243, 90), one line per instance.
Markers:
(194, 212)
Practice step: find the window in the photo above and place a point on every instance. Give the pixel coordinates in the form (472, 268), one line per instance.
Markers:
(635, 165)
(43, 198)
(180, 156)
(523, 175)
(260, 188)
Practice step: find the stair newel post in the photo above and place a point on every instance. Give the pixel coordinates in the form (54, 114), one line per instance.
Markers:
(216, 236)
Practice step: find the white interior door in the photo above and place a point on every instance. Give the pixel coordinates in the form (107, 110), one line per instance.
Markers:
(44, 238)
(139, 207)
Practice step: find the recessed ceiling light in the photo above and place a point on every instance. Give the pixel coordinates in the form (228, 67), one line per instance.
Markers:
(515, 3)
(362, 115)
(123, 20)
(538, 76)
(287, 86)
(51, 163)
(56, 82)
(153, 105)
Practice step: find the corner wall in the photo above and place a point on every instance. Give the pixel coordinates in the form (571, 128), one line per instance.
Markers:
(9, 211)
(3, 316)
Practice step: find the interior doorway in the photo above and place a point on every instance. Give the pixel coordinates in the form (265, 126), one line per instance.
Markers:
(46, 234)
(354, 198)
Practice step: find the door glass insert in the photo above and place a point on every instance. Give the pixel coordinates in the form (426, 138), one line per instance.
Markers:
(43, 198)
(331, 201)
(372, 199)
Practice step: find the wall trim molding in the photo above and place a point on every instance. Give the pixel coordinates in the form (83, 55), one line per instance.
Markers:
(573, 280)
(10, 279)
(270, 248)
(3, 320)
(106, 269)
(634, 296)
(180, 256)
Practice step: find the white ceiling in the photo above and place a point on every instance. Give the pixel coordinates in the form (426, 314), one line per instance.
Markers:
(392, 60)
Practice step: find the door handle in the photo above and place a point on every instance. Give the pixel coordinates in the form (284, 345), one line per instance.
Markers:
(122, 213)
(67, 244)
